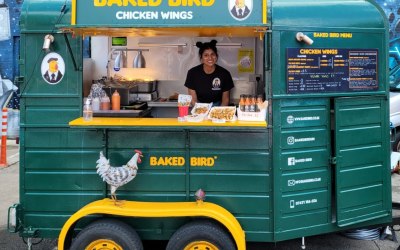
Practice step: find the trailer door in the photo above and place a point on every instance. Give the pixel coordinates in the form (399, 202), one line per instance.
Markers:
(361, 159)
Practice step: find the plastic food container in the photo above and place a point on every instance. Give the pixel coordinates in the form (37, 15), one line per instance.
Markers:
(222, 114)
(201, 109)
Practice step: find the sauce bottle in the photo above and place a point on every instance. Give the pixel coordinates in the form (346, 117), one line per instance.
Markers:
(96, 104)
(105, 103)
(87, 111)
(247, 104)
(116, 101)
(252, 104)
(259, 103)
(241, 103)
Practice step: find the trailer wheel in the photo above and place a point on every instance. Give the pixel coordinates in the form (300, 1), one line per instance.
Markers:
(107, 234)
(201, 235)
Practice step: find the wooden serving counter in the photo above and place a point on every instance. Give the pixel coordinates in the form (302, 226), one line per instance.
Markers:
(158, 122)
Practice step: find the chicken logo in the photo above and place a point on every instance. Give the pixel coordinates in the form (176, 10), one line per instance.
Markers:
(53, 68)
(240, 9)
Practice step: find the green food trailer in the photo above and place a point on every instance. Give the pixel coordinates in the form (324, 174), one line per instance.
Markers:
(317, 163)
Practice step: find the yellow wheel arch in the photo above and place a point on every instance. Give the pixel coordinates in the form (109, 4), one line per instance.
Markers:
(158, 210)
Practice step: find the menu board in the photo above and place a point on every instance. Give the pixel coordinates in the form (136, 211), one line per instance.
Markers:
(321, 70)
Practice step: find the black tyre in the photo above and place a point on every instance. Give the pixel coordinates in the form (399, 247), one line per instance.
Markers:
(107, 234)
(201, 235)
(396, 144)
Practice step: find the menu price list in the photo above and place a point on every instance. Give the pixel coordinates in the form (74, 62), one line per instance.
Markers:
(331, 70)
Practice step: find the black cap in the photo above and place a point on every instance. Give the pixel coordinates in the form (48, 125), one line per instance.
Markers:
(52, 59)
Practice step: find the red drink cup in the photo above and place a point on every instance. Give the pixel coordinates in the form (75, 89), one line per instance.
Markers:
(183, 111)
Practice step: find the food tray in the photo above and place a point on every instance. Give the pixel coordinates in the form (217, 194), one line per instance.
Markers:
(222, 114)
(201, 109)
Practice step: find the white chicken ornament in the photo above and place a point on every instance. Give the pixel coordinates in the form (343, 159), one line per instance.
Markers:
(120, 175)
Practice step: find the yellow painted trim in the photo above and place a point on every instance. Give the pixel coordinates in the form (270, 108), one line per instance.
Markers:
(73, 12)
(158, 122)
(158, 210)
(265, 13)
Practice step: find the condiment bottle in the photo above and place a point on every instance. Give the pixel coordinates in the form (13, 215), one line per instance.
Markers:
(105, 103)
(87, 111)
(116, 101)
(96, 104)
(247, 104)
(252, 104)
(241, 103)
(259, 103)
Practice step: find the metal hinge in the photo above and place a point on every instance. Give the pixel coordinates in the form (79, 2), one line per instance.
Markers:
(333, 160)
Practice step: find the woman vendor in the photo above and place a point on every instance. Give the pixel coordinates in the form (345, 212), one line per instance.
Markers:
(209, 82)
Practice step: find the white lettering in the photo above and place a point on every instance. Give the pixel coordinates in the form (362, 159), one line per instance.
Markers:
(310, 118)
(136, 15)
(292, 160)
(292, 183)
(298, 203)
(148, 15)
(304, 139)
(177, 15)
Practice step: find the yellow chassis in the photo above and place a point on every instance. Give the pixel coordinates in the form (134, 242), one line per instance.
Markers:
(159, 209)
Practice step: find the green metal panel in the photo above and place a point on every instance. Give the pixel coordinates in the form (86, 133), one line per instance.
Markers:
(39, 16)
(302, 223)
(239, 178)
(57, 201)
(212, 181)
(257, 228)
(229, 140)
(58, 163)
(260, 204)
(161, 181)
(303, 138)
(305, 180)
(34, 84)
(152, 139)
(62, 139)
(43, 104)
(60, 158)
(44, 116)
(43, 111)
(362, 185)
(302, 178)
(225, 161)
(63, 181)
(157, 180)
(159, 14)
(304, 158)
(303, 202)
(282, 40)
(290, 14)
